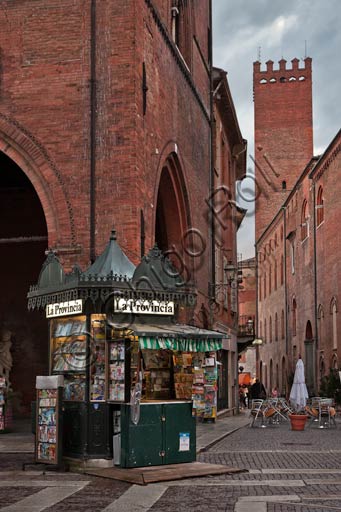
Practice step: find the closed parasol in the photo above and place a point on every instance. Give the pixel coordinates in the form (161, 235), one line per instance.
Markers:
(299, 393)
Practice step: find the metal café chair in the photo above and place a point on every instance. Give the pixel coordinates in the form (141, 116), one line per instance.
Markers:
(275, 405)
(326, 413)
(257, 412)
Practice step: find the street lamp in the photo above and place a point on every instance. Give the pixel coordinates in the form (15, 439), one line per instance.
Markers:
(257, 342)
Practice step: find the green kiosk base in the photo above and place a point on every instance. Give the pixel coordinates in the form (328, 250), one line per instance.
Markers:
(165, 434)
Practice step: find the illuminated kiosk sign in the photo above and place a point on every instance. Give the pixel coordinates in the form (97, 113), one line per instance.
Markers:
(72, 307)
(144, 307)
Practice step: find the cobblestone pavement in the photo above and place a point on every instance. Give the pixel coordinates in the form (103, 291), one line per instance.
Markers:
(287, 472)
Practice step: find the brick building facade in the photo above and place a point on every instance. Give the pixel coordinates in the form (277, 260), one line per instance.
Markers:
(297, 250)
(105, 121)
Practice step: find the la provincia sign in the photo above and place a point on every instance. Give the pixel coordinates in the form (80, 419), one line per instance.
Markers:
(72, 307)
(144, 307)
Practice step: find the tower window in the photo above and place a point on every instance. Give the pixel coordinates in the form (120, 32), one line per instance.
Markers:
(284, 185)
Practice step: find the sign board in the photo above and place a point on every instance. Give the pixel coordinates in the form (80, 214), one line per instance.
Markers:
(143, 307)
(184, 442)
(72, 307)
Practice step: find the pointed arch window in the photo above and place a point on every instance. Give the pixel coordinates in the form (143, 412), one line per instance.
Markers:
(275, 275)
(333, 310)
(319, 207)
(282, 324)
(276, 327)
(270, 330)
(304, 220)
(282, 269)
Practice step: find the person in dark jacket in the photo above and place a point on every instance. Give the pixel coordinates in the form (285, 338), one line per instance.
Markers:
(257, 390)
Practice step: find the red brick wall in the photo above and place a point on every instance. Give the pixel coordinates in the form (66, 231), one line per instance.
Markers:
(45, 125)
(328, 245)
(283, 133)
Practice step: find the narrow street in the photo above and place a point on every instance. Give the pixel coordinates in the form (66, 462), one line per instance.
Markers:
(286, 472)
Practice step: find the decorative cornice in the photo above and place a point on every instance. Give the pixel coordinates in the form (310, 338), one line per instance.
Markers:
(176, 54)
(326, 164)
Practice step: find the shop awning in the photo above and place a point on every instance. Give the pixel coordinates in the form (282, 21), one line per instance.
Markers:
(180, 337)
(183, 345)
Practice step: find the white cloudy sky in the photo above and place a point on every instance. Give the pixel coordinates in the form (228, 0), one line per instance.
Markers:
(280, 29)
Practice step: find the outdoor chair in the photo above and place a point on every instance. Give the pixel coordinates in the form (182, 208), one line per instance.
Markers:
(257, 412)
(273, 411)
(326, 413)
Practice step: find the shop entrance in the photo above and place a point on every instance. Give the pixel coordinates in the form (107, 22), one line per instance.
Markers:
(23, 241)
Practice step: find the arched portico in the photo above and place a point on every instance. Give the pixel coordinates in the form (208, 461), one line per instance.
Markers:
(172, 218)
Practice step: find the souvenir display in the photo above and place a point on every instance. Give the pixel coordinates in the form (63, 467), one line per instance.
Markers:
(46, 433)
(97, 374)
(183, 375)
(69, 355)
(117, 374)
(204, 389)
(157, 373)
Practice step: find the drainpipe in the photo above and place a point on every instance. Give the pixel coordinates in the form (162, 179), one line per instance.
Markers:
(315, 292)
(285, 281)
(211, 180)
(256, 333)
(93, 104)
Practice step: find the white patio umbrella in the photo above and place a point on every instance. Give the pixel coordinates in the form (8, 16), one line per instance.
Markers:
(299, 393)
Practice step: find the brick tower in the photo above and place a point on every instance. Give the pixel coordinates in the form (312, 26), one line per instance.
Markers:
(283, 133)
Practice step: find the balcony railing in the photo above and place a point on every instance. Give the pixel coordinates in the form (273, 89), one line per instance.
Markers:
(246, 325)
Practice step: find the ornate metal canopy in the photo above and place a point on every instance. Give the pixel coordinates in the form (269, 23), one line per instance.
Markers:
(112, 272)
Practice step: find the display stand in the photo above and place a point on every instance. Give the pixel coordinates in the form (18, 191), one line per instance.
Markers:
(48, 440)
(2, 404)
(204, 389)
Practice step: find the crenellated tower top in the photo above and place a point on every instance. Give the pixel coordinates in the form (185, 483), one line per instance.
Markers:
(283, 73)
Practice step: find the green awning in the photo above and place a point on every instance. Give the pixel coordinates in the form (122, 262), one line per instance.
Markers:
(178, 344)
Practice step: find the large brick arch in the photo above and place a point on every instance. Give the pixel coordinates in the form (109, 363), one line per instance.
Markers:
(170, 159)
(22, 147)
(172, 210)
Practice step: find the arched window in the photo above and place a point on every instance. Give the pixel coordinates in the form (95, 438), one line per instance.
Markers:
(333, 310)
(182, 28)
(320, 326)
(276, 327)
(275, 275)
(284, 185)
(294, 312)
(270, 330)
(270, 284)
(304, 220)
(260, 329)
(319, 207)
(282, 324)
(282, 269)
